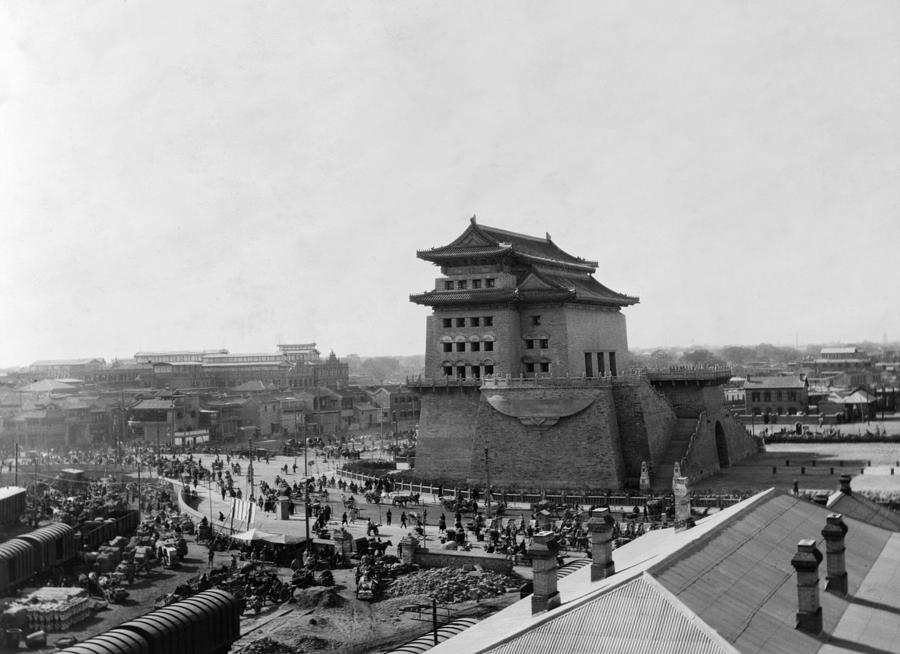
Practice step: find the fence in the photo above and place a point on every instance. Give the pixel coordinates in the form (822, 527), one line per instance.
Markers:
(559, 498)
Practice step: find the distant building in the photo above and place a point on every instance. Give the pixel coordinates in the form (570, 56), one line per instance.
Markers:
(175, 356)
(400, 407)
(57, 368)
(784, 395)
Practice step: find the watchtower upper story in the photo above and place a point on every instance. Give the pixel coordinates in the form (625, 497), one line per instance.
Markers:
(510, 303)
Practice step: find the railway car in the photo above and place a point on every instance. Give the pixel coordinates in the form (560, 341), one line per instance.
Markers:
(53, 545)
(207, 623)
(115, 641)
(47, 547)
(12, 504)
(17, 563)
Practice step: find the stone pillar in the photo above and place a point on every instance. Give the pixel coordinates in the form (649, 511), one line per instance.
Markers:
(645, 477)
(845, 485)
(543, 520)
(284, 508)
(806, 562)
(600, 527)
(543, 561)
(682, 503)
(835, 563)
(343, 543)
(408, 546)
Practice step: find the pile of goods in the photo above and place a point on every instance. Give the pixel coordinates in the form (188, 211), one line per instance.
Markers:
(451, 585)
(267, 646)
(50, 609)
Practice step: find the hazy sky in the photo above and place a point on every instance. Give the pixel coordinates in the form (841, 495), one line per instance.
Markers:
(179, 175)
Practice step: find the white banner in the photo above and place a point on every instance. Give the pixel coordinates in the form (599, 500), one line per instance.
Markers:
(243, 511)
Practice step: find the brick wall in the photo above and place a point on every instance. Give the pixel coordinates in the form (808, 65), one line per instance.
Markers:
(704, 457)
(552, 327)
(646, 423)
(601, 446)
(579, 451)
(593, 329)
(504, 330)
(446, 430)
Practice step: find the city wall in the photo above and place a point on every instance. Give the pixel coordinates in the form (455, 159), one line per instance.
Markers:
(576, 437)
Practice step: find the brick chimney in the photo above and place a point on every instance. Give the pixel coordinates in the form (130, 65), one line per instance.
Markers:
(543, 562)
(845, 485)
(835, 564)
(806, 562)
(600, 527)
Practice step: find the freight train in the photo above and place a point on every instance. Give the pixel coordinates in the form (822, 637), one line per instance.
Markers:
(206, 623)
(48, 547)
(12, 505)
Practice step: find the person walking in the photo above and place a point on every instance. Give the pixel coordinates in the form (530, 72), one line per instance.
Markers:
(344, 519)
(403, 520)
(388, 516)
(211, 556)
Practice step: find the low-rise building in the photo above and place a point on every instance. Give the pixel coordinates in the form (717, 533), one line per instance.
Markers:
(783, 395)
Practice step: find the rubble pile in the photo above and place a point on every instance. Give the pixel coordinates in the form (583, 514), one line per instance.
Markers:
(451, 585)
(266, 646)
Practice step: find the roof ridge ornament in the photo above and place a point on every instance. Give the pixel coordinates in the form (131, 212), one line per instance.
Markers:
(472, 220)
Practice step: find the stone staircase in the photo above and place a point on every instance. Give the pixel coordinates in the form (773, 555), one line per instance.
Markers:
(662, 476)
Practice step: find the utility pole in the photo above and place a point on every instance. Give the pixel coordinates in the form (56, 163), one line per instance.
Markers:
(250, 469)
(140, 498)
(306, 488)
(17, 464)
(434, 622)
(487, 480)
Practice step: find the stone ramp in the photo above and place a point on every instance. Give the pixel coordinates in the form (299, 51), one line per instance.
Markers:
(675, 451)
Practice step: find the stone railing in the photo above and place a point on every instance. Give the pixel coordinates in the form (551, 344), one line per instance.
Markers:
(689, 373)
(675, 373)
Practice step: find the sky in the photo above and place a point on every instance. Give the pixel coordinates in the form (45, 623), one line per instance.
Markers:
(219, 174)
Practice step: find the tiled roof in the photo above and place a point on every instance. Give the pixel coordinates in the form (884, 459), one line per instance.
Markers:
(464, 297)
(636, 617)
(588, 288)
(482, 240)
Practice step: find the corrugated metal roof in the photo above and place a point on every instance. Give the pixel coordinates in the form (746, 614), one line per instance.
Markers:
(636, 617)
(861, 508)
(870, 623)
(739, 577)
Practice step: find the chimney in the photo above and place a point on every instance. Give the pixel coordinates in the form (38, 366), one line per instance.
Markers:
(543, 561)
(835, 564)
(806, 562)
(845, 485)
(600, 527)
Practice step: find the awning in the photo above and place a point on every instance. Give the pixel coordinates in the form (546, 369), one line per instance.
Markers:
(258, 534)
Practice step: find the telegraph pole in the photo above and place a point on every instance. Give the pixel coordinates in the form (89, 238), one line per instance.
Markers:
(487, 480)
(306, 487)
